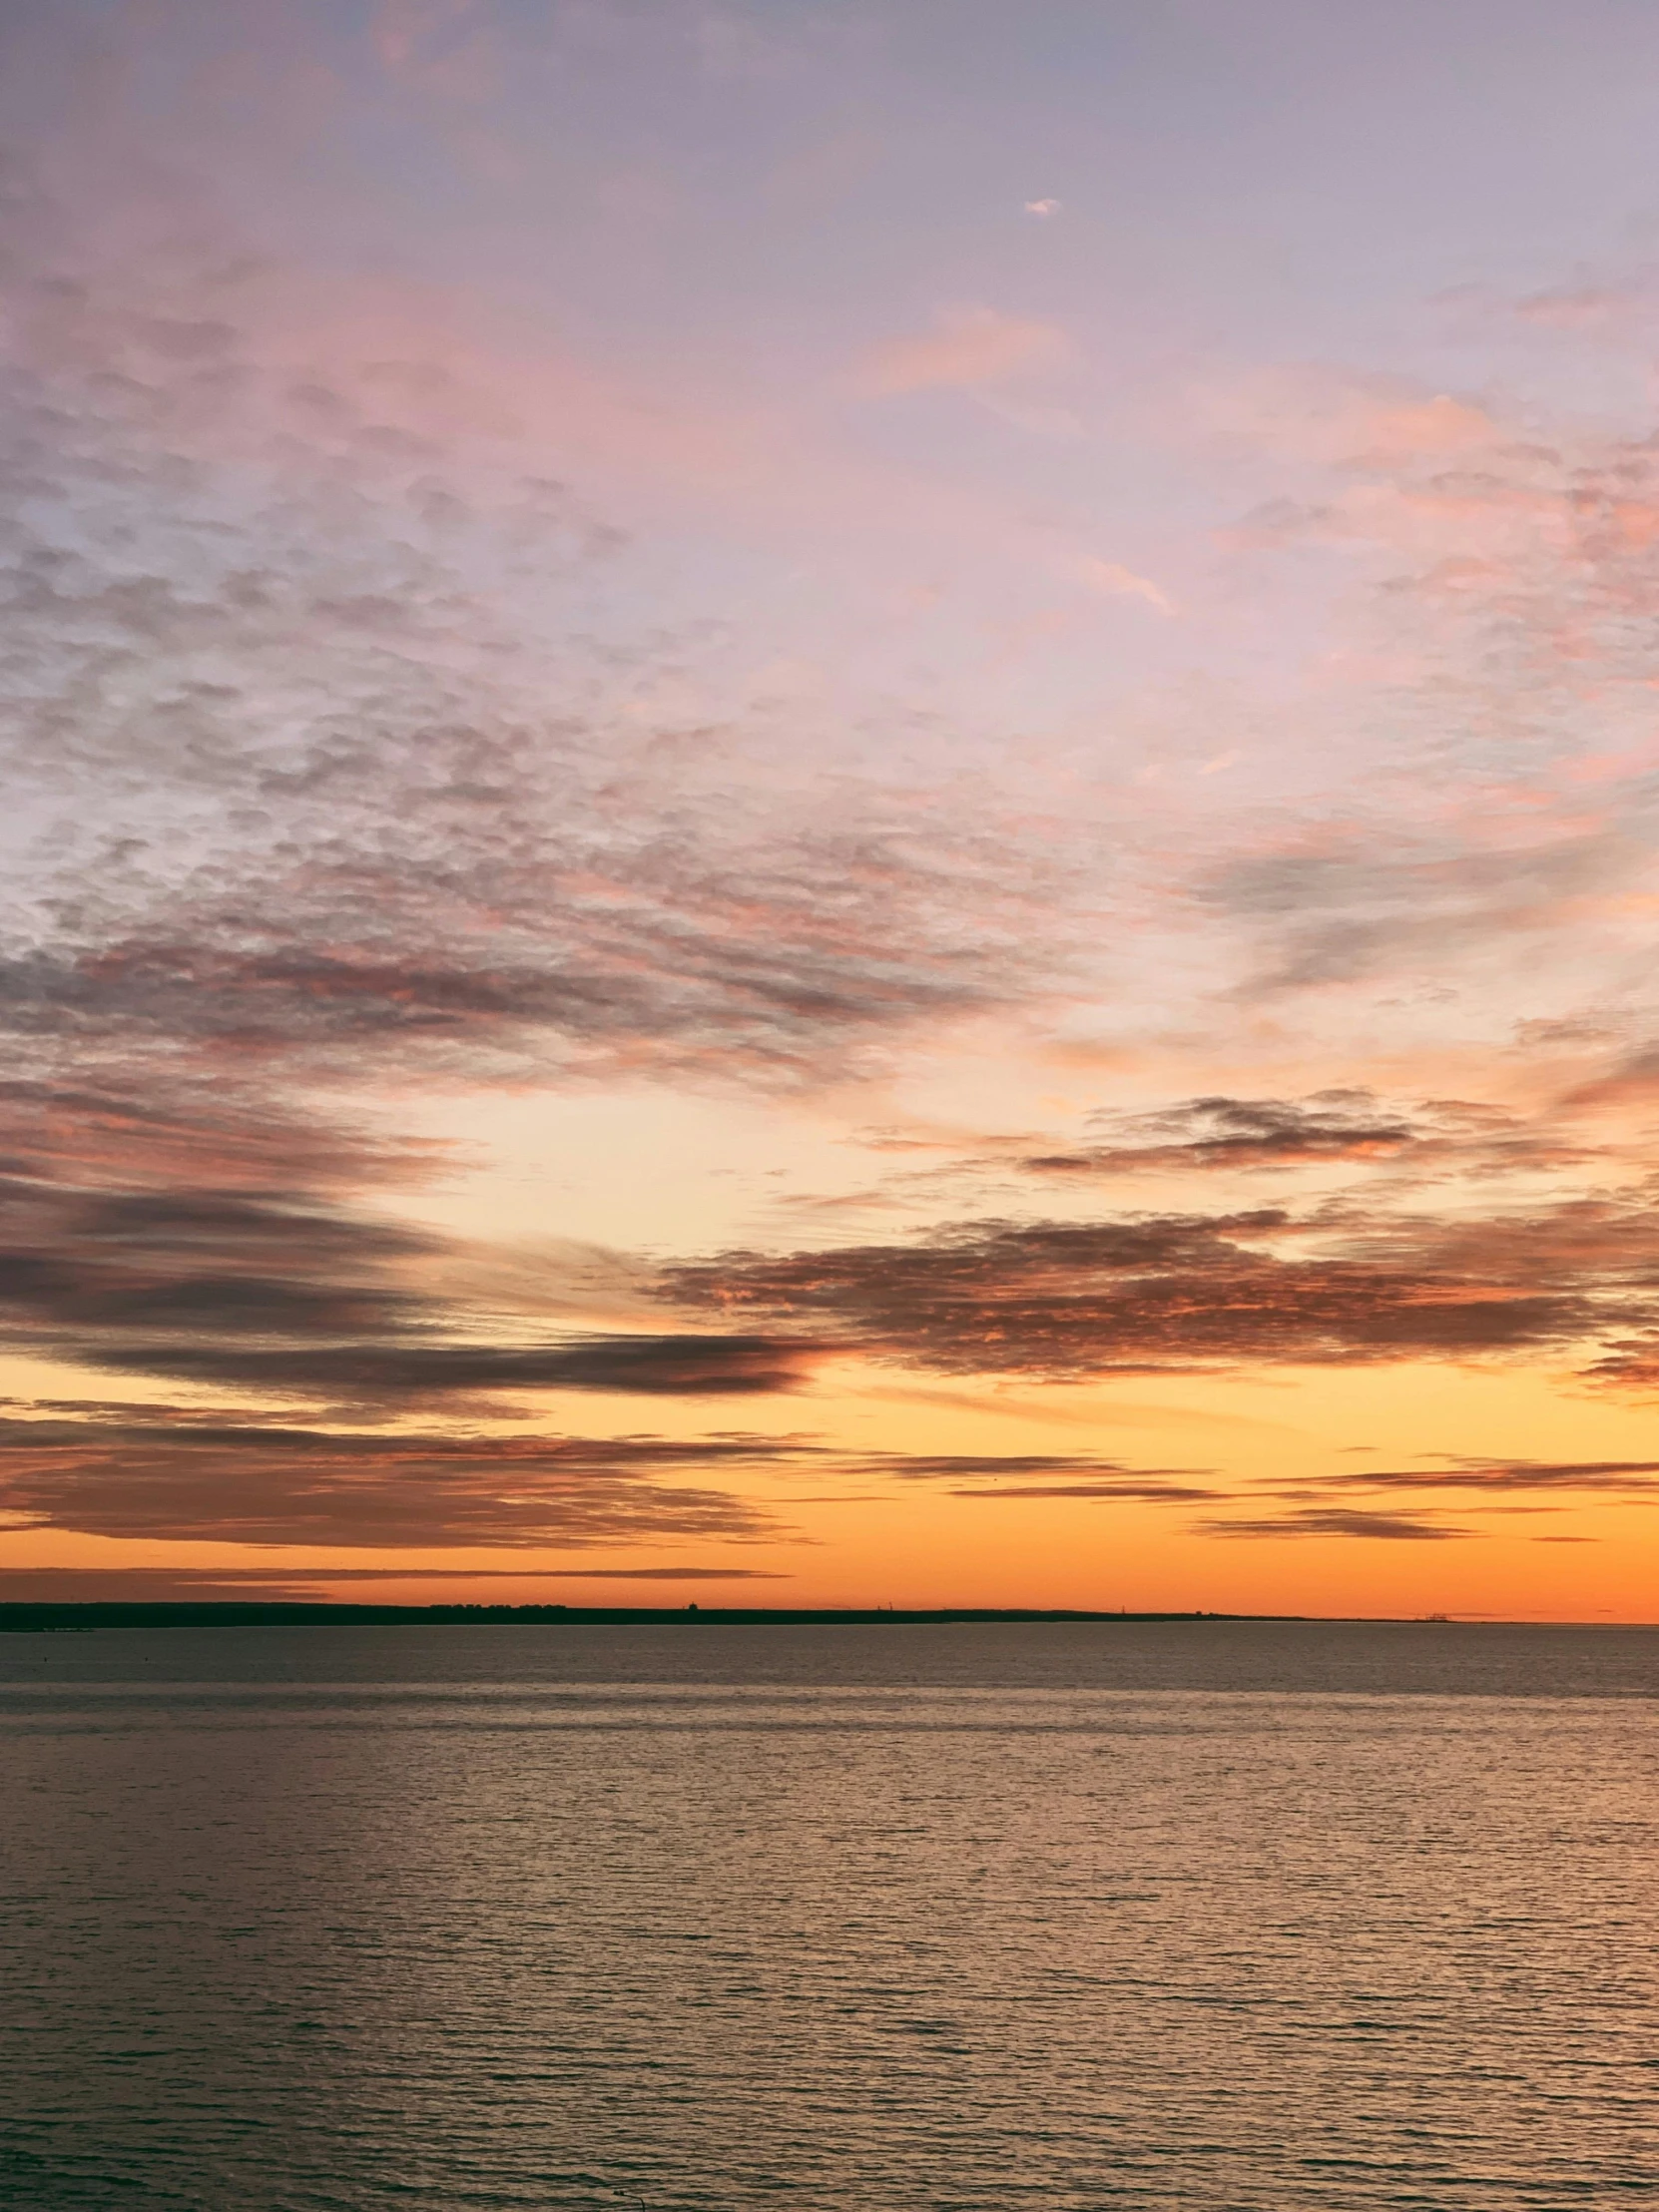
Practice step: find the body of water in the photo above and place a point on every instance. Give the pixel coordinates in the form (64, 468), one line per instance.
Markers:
(1300, 1918)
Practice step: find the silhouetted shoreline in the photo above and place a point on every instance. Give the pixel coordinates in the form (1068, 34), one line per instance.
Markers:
(230, 1613)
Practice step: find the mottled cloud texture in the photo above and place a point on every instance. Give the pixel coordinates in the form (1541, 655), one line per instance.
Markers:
(1144, 1291)
(472, 651)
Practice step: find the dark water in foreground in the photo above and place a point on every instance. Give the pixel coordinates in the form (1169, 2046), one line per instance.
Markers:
(1293, 1918)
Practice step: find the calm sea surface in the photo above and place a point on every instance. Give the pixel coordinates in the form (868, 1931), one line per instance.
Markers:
(855, 1920)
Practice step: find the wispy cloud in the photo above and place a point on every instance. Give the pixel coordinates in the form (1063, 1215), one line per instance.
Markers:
(1212, 1134)
(1113, 581)
(1335, 1520)
(185, 1474)
(970, 349)
(287, 1584)
(1354, 1129)
(127, 1477)
(1622, 1478)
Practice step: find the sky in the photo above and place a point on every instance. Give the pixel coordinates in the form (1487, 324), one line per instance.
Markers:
(831, 801)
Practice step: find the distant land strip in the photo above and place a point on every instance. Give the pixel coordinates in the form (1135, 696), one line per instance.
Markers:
(253, 1613)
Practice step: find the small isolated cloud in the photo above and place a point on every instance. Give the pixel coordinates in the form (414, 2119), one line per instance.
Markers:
(1113, 581)
(1200, 1135)
(1042, 208)
(970, 349)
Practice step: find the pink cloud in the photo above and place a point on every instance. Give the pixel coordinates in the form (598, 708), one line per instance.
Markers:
(1113, 581)
(969, 349)
(1311, 414)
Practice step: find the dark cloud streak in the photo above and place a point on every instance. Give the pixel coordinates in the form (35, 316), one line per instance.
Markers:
(1623, 1477)
(180, 1474)
(1122, 1295)
(68, 1585)
(235, 1482)
(1219, 1133)
(414, 1372)
(1335, 1520)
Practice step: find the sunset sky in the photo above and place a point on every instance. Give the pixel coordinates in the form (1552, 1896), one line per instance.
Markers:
(832, 802)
